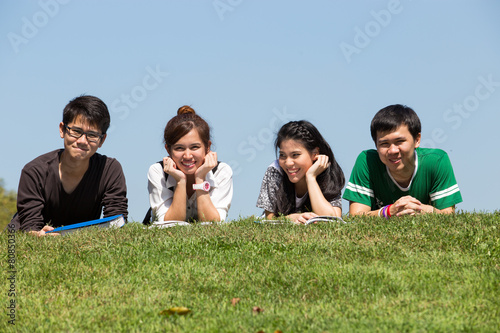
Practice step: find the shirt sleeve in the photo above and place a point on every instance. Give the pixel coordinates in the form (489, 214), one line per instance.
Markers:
(337, 202)
(358, 188)
(30, 199)
(268, 189)
(115, 200)
(222, 195)
(445, 192)
(160, 197)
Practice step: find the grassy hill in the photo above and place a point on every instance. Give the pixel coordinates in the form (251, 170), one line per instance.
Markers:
(7, 205)
(424, 273)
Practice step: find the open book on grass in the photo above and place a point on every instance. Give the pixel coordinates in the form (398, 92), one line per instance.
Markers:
(316, 219)
(173, 223)
(112, 221)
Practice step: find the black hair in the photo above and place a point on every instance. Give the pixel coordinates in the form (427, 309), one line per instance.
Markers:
(393, 116)
(331, 181)
(92, 109)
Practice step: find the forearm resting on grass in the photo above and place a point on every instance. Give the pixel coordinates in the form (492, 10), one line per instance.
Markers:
(206, 208)
(43, 232)
(399, 208)
(295, 217)
(177, 210)
(319, 204)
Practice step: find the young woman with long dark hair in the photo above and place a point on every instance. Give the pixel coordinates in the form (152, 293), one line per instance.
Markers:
(306, 180)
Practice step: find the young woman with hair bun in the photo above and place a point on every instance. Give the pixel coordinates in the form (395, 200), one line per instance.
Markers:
(189, 184)
(306, 180)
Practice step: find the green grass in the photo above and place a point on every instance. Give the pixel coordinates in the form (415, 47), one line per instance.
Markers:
(416, 274)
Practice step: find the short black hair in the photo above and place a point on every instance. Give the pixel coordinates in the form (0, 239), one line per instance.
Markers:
(392, 117)
(91, 108)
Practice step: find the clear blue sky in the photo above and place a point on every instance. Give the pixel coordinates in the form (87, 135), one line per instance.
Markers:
(247, 67)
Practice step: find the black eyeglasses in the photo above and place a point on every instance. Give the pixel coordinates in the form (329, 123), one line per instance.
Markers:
(77, 134)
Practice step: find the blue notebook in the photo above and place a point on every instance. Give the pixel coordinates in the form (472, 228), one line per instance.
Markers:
(112, 221)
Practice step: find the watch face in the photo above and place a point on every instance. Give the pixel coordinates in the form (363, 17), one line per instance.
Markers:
(206, 186)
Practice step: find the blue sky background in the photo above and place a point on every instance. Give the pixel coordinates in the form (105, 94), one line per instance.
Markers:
(248, 67)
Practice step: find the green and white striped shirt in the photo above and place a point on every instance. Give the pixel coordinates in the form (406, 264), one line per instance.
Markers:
(433, 181)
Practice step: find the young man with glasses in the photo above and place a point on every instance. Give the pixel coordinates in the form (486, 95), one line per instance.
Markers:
(399, 178)
(74, 184)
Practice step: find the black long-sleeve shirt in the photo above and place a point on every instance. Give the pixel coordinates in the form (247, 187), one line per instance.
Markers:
(41, 198)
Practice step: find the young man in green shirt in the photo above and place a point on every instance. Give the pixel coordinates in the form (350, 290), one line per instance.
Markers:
(399, 178)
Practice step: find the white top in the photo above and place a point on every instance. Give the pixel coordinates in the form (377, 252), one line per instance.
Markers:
(300, 201)
(161, 192)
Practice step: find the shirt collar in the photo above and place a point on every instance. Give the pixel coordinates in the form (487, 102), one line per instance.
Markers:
(405, 189)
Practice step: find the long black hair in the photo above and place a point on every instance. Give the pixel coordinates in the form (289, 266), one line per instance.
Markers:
(331, 181)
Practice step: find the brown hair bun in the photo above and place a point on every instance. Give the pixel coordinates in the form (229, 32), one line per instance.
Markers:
(180, 125)
(185, 110)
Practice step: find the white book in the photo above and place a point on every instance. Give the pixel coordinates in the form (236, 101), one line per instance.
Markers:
(325, 218)
(113, 221)
(316, 219)
(167, 224)
(173, 223)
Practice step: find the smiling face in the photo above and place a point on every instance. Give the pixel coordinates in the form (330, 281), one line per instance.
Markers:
(295, 160)
(396, 150)
(80, 149)
(188, 152)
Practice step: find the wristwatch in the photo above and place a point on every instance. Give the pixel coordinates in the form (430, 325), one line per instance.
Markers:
(205, 186)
